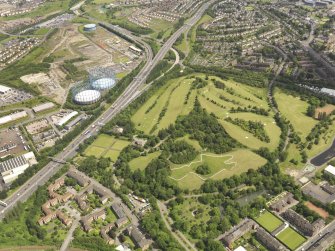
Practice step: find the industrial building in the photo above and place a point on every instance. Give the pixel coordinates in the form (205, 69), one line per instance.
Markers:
(43, 107)
(12, 168)
(13, 117)
(66, 118)
(90, 27)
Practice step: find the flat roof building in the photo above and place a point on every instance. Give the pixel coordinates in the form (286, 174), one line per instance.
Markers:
(330, 170)
(66, 118)
(43, 107)
(12, 168)
(13, 117)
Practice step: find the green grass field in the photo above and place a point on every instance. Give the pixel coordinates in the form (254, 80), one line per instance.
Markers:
(294, 109)
(221, 166)
(172, 97)
(106, 146)
(268, 221)
(170, 101)
(291, 238)
(142, 162)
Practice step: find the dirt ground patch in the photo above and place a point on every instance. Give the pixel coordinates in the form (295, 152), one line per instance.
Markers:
(48, 84)
(328, 109)
(316, 209)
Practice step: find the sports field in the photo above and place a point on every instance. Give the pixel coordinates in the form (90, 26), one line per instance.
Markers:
(291, 238)
(106, 146)
(221, 166)
(268, 221)
(142, 162)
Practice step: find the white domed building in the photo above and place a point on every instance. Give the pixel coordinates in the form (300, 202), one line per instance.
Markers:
(87, 97)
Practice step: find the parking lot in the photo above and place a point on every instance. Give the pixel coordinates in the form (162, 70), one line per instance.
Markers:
(11, 142)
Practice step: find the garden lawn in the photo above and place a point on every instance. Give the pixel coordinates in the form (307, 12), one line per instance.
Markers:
(291, 238)
(268, 221)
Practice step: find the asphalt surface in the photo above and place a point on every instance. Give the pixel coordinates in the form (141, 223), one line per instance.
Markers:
(129, 95)
(325, 156)
(330, 228)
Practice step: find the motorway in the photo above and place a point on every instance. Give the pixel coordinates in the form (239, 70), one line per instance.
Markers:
(129, 95)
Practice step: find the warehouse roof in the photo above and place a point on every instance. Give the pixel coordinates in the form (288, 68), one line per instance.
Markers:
(43, 107)
(13, 163)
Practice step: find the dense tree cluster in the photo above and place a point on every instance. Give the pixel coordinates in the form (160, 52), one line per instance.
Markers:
(254, 109)
(314, 136)
(203, 127)
(203, 169)
(198, 83)
(153, 181)
(251, 78)
(254, 127)
(309, 214)
(219, 84)
(180, 152)
(158, 70)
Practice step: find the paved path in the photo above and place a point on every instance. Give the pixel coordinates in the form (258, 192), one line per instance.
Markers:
(69, 236)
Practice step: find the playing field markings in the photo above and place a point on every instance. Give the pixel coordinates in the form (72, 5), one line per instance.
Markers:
(228, 162)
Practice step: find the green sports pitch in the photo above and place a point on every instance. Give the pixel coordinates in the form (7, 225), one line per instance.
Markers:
(268, 221)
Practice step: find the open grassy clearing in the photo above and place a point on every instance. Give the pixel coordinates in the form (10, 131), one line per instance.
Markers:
(294, 109)
(291, 238)
(221, 166)
(268, 221)
(293, 153)
(106, 146)
(142, 162)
